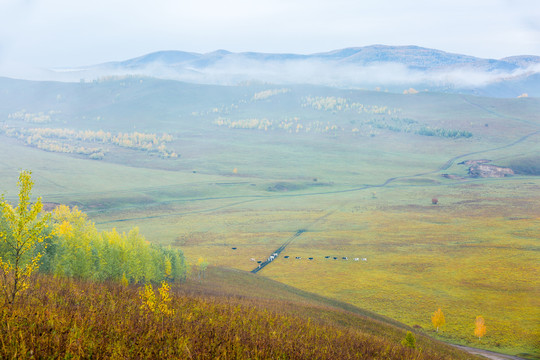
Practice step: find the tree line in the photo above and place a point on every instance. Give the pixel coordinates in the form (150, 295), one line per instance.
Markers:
(332, 103)
(65, 243)
(60, 140)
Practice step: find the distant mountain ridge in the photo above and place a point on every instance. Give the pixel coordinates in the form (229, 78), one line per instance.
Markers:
(390, 67)
(415, 56)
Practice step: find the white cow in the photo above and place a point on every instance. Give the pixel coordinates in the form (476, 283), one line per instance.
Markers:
(356, 259)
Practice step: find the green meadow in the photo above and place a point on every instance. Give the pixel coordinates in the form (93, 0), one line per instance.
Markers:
(353, 168)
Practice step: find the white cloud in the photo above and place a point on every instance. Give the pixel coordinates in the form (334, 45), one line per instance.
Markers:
(51, 33)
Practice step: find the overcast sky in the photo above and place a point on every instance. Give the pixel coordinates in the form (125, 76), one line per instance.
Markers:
(59, 33)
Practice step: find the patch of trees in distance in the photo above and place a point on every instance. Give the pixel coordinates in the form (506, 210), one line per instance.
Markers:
(363, 120)
(447, 133)
(370, 127)
(412, 126)
(265, 94)
(36, 118)
(69, 141)
(332, 103)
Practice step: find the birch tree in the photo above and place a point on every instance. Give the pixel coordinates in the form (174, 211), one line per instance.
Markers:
(21, 231)
(479, 327)
(438, 319)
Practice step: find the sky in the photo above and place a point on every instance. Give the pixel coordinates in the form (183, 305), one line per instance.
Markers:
(69, 33)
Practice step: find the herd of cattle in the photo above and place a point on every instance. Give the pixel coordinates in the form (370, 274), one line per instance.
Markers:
(275, 255)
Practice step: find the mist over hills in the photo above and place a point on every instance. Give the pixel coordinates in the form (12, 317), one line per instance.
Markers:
(205, 167)
(391, 68)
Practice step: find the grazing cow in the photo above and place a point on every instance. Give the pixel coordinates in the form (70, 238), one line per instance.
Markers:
(298, 258)
(335, 258)
(271, 258)
(252, 259)
(356, 259)
(258, 262)
(286, 257)
(327, 257)
(275, 254)
(364, 259)
(310, 258)
(345, 258)
(234, 248)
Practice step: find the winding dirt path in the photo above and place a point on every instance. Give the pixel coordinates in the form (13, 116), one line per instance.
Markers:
(487, 354)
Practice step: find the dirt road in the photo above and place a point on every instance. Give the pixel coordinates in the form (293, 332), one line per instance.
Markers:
(487, 354)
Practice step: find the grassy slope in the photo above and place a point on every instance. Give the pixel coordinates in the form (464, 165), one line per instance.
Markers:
(466, 255)
(474, 254)
(229, 315)
(234, 283)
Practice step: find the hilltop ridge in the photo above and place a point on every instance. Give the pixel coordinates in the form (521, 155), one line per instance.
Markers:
(376, 66)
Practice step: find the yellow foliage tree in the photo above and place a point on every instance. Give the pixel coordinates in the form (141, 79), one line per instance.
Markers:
(480, 327)
(148, 299)
(151, 304)
(124, 281)
(21, 231)
(202, 264)
(73, 256)
(164, 305)
(438, 319)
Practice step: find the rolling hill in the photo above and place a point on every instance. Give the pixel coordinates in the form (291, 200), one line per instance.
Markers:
(208, 168)
(395, 68)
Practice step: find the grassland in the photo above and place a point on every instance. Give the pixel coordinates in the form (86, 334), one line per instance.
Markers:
(475, 253)
(466, 255)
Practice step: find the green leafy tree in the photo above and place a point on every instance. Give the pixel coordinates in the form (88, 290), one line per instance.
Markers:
(21, 233)
(74, 238)
(112, 255)
(409, 341)
(79, 250)
(139, 258)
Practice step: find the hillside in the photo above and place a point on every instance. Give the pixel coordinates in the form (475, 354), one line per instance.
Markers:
(395, 68)
(228, 315)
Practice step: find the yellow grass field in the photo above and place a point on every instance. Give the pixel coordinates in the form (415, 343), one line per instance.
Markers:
(469, 255)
